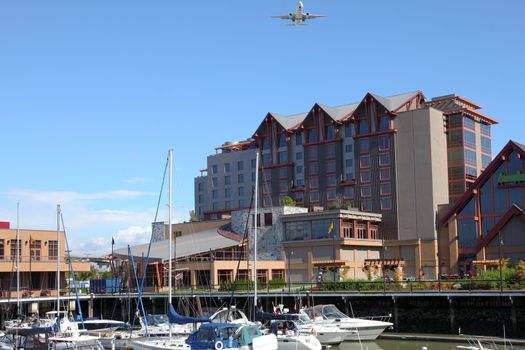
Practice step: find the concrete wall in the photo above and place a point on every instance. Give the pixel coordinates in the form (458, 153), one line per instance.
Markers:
(421, 172)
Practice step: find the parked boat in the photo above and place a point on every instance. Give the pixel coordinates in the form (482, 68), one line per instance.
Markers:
(289, 337)
(217, 336)
(360, 328)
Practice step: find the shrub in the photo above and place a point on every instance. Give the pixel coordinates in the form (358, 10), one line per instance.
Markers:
(276, 283)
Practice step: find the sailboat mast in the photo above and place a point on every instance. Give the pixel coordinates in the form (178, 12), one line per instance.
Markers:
(170, 155)
(58, 261)
(255, 230)
(17, 258)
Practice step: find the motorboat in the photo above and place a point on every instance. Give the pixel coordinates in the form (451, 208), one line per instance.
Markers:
(359, 328)
(327, 334)
(96, 324)
(290, 338)
(74, 342)
(234, 336)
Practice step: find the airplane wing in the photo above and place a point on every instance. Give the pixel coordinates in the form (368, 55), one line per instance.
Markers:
(310, 16)
(284, 17)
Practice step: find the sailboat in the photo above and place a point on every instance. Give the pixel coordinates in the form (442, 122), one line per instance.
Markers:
(177, 335)
(67, 334)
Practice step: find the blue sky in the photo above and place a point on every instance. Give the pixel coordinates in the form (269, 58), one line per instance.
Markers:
(93, 93)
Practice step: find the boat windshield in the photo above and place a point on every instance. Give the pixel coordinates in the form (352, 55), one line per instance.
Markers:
(331, 312)
(225, 316)
(157, 320)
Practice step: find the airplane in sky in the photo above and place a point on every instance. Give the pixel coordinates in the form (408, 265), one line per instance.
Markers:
(298, 18)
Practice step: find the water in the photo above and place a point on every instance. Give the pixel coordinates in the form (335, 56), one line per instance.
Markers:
(397, 345)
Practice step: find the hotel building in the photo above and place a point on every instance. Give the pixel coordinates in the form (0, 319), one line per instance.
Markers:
(399, 156)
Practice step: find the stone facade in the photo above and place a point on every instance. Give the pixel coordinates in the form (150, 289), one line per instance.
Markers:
(270, 231)
(158, 231)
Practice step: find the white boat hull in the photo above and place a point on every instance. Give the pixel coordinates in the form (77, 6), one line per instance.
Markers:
(298, 342)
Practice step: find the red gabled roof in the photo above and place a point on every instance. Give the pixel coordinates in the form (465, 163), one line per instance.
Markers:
(513, 211)
(485, 175)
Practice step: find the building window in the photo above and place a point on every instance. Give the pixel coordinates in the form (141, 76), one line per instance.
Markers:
(384, 142)
(374, 232)
(299, 169)
(312, 135)
(470, 139)
(215, 205)
(253, 176)
(313, 182)
(386, 203)
(330, 151)
(268, 221)
(314, 197)
(282, 140)
(349, 148)
(2, 249)
(241, 191)
(364, 146)
(242, 203)
(364, 128)
(455, 138)
(240, 165)
(312, 153)
(265, 159)
(349, 130)
(384, 174)
(331, 194)
(366, 176)
(14, 246)
(349, 163)
(227, 193)
(283, 156)
(366, 205)
(313, 169)
(364, 161)
(283, 186)
(53, 250)
(226, 167)
(485, 161)
(283, 173)
(471, 171)
(455, 121)
(299, 156)
(484, 129)
(365, 191)
(267, 175)
(254, 163)
(384, 159)
(330, 166)
(240, 178)
(277, 274)
(349, 193)
(299, 197)
(215, 182)
(350, 177)
(200, 186)
(347, 230)
(469, 123)
(470, 157)
(383, 123)
(486, 145)
(214, 169)
(224, 275)
(330, 132)
(265, 143)
(385, 188)
(227, 180)
(331, 180)
(267, 187)
(299, 182)
(201, 198)
(227, 205)
(214, 194)
(267, 201)
(299, 139)
(361, 231)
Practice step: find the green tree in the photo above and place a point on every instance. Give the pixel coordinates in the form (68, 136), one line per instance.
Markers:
(288, 201)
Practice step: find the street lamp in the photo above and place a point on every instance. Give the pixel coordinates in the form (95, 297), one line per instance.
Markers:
(500, 243)
(290, 254)
(383, 265)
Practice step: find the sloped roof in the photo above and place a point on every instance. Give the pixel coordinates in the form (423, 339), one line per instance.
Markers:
(392, 103)
(289, 122)
(186, 245)
(485, 175)
(513, 211)
(340, 112)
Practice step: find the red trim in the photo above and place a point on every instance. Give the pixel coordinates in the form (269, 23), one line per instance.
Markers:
(378, 133)
(472, 113)
(513, 211)
(482, 179)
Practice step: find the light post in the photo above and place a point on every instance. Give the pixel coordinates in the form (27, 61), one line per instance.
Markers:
(290, 254)
(500, 243)
(383, 265)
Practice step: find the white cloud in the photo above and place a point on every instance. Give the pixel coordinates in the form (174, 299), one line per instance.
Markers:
(90, 219)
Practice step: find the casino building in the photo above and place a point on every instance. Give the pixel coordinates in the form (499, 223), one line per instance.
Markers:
(400, 156)
(488, 222)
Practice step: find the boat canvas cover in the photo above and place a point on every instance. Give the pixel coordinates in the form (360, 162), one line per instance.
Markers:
(174, 317)
(247, 334)
(268, 316)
